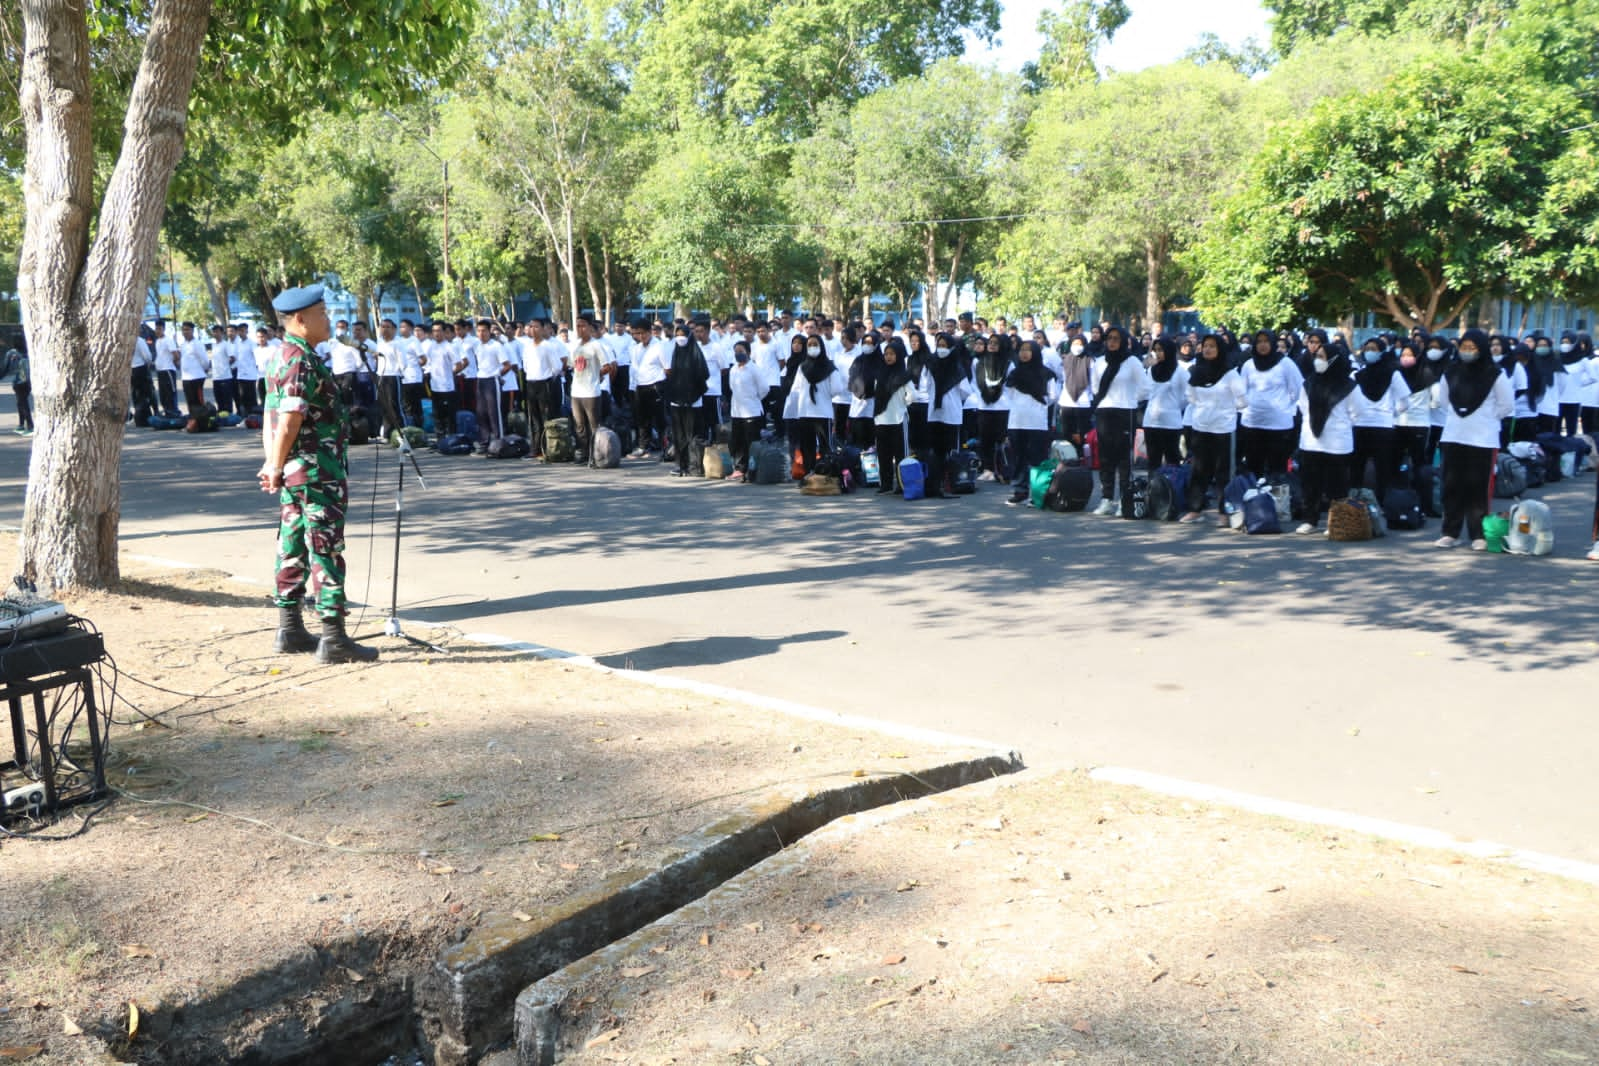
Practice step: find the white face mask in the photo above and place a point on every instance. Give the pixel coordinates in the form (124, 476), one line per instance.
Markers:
(1372, 357)
(1077, 349)
(1321, 365)
(1435, 354)
(813, 350)
(943, 352)
(1567, 348)
(681, 342)
(1468, 355)
(869, 347)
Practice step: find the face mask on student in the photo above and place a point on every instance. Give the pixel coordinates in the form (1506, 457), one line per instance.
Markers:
(813, 350)
(741, 357)
(868, 347)
(1469, 355)
(1321, 365)
(1372, 357)
(1435, 354)
(943, 353)
(681, 342)
(1542, 349)
(1567, 348)
(1077, 349)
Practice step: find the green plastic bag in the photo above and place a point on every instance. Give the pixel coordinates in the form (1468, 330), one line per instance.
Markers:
(1038, 479)
(1495, 528)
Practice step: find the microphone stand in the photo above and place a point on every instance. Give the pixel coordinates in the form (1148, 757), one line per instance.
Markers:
(391, 625)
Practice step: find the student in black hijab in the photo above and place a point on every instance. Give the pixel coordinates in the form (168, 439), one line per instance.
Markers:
(1379, 393)
(1571, 357)
(1168, 394)
(1120, 387)
(1030, 389)
(918, 355)
(1477, 398)
(1421, 360)
(1326, 437)
(687, 379)
(891, 393)
(947, 383)
(989, 371)
(815, 384)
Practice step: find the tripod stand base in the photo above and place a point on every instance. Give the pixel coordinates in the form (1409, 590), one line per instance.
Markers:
(391, 628)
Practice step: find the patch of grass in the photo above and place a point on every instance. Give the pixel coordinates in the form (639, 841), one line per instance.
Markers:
(313, 744)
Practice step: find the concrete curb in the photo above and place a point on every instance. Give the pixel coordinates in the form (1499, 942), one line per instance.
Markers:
(538, 1007)
(465, 1002)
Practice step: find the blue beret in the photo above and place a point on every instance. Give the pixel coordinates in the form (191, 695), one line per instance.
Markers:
(291, 300)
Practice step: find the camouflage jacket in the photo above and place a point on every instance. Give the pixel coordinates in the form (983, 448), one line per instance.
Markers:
(299, 383)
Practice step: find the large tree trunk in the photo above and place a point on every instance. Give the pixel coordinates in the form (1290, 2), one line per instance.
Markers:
(1154, 263)
(832, 291)
(954, 272)
(219, 304)
(930, 254)
(552, 281)
(610, 289)
(593, 281)
(84, 302)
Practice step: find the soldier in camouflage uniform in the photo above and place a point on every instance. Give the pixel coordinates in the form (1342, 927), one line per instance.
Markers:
(304, 431)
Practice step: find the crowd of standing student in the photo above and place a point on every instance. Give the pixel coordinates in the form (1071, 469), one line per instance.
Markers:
(1384, 411)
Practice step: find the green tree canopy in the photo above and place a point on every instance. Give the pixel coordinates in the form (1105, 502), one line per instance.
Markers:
(1458, 178)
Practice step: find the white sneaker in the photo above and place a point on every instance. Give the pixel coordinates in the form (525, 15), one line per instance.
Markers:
(1593, 553)
(1107, 508)
(1446, 542)
(1191, 516)
(1479, 545)
(1306, 528)
(986, 475)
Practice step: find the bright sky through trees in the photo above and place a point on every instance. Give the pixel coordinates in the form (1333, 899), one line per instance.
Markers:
(1159, 31)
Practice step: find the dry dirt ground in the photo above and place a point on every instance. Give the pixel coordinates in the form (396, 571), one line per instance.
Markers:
(1049, 917)
(268, 804)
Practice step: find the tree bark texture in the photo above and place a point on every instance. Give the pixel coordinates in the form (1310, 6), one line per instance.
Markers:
(84, 302)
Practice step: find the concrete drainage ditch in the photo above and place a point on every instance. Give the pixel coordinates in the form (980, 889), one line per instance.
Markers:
(307, 1013)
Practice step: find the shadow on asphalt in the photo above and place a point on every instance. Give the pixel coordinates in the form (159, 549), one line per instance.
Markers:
(711, 651)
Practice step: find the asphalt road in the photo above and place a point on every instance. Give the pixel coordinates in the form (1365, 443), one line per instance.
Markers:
(1443, 689)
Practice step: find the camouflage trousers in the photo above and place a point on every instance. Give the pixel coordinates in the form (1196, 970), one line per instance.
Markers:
(311, 542)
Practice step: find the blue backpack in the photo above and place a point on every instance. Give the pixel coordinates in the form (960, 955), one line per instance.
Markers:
(466, 424)
(912, 479)
(1233, 494)
(1260, 514)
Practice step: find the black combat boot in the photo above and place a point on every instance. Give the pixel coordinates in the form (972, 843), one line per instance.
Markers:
(337, 647)
(292, 634)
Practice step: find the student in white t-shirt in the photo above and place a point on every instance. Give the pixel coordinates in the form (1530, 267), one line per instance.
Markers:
(438, 363)
(490, 365)
(747, 386)
(591, 363)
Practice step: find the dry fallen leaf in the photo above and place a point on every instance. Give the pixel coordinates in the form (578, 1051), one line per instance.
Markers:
(440, 871)
(762, 1060)
(16, 1054)
(604, 1038)
(196, 818)
(1462, 969)
(136, 951)
(70, 1027)
(1081, 1026)
(1323, 938)
(906, 886)
(443, 803)
(705, 940)
(1054, 979)
(891, 960)
(637, 971)
(544, 838)
(522, 916)
(886, 1001)
(133, 1019)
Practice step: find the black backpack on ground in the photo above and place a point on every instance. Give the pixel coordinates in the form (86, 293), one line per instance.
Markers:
(1135, 498)
(1070, 489)
(1163, 503)
(514, 446)
(961, 468)
(1402, 509)
(454, 444)
(1430, 489)
(203, 420)
(849, 459)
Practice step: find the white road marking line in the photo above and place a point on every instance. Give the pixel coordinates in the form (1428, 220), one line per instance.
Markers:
(1420, 836)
